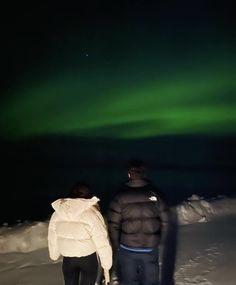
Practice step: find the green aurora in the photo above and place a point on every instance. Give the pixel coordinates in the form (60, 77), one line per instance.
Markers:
(119, 70)
(125, 101)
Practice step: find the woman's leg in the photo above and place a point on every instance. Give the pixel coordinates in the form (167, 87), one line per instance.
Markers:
(71, 270)
(89, 269)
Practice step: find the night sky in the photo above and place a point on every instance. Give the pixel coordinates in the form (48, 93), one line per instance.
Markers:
(127, 69)
(115, 78)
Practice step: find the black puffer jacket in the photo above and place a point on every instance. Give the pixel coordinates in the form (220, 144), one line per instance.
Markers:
(136, 216)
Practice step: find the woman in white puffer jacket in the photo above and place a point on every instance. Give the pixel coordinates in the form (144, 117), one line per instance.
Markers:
(77, 231)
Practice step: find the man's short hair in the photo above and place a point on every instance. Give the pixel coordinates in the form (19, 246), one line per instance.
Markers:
(136, 168)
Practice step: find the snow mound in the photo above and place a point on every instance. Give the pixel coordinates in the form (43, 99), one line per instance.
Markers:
(23, 237)
(198, 210)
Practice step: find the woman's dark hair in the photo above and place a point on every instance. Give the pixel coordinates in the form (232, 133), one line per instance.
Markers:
(81, 190)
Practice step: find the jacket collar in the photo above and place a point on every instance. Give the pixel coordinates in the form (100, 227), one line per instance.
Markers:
(136, 183)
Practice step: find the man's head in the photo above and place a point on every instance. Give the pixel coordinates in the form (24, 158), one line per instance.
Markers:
(136, 169)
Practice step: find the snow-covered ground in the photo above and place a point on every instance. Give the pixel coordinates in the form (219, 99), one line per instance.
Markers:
(206, 247)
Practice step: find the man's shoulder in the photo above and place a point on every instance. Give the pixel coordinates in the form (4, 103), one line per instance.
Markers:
(127, 194)
(123, 191)
(156, 190)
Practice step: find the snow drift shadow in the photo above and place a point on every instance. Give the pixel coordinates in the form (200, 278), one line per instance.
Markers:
(169, 251)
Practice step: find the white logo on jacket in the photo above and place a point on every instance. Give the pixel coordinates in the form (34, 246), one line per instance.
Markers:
(153, 198)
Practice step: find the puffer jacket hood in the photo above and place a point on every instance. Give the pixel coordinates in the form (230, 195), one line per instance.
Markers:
(70, 209)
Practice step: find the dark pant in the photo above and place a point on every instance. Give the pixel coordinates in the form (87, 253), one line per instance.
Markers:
(80, 270)
(138, 268)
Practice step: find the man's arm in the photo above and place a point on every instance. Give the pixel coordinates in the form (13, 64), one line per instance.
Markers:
(114, 223)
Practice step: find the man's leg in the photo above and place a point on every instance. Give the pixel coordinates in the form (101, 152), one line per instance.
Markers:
(150, 268)
(128, 267)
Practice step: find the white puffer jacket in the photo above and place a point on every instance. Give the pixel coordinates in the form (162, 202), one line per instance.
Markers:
(77, 228)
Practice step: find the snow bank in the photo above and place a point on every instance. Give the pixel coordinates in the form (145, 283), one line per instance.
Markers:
(23, 237)
(198, 210)
(28, 237)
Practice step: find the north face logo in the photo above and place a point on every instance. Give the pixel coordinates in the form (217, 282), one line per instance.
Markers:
(153, 198)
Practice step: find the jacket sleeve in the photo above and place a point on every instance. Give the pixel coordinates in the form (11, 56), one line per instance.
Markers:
(114, 222)
(164, 212)
(101, 240)
(52, 239)
(165, 218)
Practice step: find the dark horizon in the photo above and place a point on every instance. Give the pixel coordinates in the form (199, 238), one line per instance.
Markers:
(38, 171)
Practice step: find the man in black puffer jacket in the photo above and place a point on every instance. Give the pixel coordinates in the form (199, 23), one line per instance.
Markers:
(136, 221)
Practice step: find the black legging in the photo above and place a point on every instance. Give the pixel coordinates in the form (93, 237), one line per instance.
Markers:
(80, 270)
